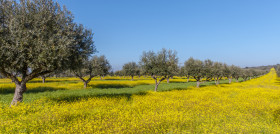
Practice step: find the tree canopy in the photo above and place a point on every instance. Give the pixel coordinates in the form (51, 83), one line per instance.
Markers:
(38, 37)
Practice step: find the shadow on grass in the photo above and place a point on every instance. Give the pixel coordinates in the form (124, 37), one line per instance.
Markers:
(11, 90)
(74, 98)
(277, 81)
(105, 86)
(50, 81)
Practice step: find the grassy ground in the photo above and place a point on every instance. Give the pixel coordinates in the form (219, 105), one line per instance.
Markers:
(124, 106)
(72, 88)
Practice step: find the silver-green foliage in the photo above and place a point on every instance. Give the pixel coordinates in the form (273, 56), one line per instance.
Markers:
(38, 37)
(159, 65)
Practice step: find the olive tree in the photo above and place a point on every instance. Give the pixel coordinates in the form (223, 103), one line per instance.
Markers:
(37, 37)
(227, 71)
(157, 64)
(173, 67)
(195, 69)
(208, 69)
(86, 68)
(218, 72)
(119, 73)
(236, 72)
(102, 66)
(131, 69)
(245, 74)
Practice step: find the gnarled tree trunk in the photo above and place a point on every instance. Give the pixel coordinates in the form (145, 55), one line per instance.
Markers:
(85, 84)
(156, 86)
(19, 90)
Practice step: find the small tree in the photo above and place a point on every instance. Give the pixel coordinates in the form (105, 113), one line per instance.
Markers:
(218, 72)
(131, 69)
(236, 72)
(208, 69)
(37, 37)
(173, 67)
(186, 71)
(245, 74)
(86, 68)
(102, 65)
(227, 71)
(119, 73)
(195, 69)
(157, 65)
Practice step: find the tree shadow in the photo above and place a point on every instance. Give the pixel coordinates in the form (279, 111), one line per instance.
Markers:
(11, 90)
(105, 86)
(50, 81)
(74, 98)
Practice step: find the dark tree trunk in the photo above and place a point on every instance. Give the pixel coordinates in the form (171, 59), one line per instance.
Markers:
(236, 78)
(100, 78)
(188, 79)
(156, 87)
(132, 78)
(18, 96)
(157, 82)
(167, 79)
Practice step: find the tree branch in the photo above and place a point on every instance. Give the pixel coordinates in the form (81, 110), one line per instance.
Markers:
(35, 74)
(9, 75)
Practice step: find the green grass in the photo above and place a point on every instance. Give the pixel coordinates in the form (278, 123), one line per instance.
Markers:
(101, 90)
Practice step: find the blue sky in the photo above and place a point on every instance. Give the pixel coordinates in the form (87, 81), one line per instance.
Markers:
(239, 32)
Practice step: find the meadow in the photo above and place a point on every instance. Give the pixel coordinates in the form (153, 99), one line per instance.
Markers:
(119, 105)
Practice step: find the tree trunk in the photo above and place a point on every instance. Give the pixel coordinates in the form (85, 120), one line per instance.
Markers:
(43, 79)
(85, 84)
(197, 84)
(132, 78)
(229, 80)
(236, 79)
(18, 96)
(188, 79)
(100, 78)
(157, 83)
(167, 80)
(218, 82)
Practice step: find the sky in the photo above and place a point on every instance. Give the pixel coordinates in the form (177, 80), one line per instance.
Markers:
(240, 32)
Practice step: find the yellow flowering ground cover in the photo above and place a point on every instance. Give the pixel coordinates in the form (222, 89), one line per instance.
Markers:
(247, 107)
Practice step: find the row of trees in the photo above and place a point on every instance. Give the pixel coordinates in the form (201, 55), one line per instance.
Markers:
(39, 37)
(164, 65)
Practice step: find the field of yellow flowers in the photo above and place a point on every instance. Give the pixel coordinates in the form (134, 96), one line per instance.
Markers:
(247, 107)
